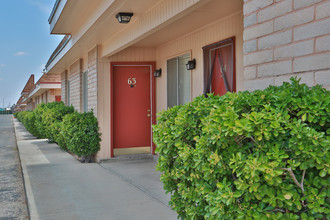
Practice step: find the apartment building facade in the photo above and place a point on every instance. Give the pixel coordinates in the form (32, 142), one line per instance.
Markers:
(127, 60)
(46, 89)
(22, 102)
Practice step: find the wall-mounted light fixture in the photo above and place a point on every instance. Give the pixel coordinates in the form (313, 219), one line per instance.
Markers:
(158, 72)
(191, 64)
(124, 17)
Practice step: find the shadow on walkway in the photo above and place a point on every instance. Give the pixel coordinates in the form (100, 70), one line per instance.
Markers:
(60, 187)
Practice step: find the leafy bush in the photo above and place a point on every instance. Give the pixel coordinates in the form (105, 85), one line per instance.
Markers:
(28, 119)
(83, 139)
(19, 116)
(58, 135)
(38, 112)
(52, 118)
(251, 155)
(71, 130)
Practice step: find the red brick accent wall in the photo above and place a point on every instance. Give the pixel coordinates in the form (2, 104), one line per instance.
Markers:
(52, 78)
(92, 80)
(29, 84)
(75, 78)
(284, 38)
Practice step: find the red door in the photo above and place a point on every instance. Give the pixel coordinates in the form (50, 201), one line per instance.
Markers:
(222, 77)
(219, 69)
(131, 106)
(57, 98)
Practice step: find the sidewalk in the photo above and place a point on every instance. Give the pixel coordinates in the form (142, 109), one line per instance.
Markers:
(13, 203)
(60, 187)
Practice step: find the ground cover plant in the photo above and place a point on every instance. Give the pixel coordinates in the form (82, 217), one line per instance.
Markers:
(75, 132)
(250, 155)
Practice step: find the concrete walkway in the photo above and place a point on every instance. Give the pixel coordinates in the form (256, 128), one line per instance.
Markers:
(13, 203)
(60, 187)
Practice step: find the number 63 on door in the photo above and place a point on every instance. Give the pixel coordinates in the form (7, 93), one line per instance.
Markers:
(131, 81)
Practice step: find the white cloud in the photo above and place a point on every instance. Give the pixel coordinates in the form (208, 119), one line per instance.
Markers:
(21, 53)
(41, 5)
(2, 65)
(1, 79)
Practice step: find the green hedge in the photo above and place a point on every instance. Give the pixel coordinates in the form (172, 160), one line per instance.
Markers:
(28, 119)
(82, 138)
(250, 155)
(72, 131)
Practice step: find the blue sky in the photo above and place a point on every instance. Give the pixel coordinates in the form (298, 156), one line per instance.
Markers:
(25, 44)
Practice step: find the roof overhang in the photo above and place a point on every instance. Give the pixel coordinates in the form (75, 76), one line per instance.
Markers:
(43, 87)
(24, 93)
(67, 15)
(24, 101)
(103, 28)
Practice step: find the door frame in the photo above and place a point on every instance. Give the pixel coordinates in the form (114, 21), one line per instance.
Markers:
(151, 66)
(206, 58)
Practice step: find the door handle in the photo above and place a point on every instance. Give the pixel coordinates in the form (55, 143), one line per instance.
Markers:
(148, 115)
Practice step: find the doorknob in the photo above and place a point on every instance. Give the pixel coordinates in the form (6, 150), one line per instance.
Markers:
(148, 115)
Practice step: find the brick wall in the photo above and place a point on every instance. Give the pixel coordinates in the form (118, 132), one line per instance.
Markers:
(75, 78)
(29, 84)
(64, 78)
(92, 80)
(284, 38)
(74, 75)
(52, 78)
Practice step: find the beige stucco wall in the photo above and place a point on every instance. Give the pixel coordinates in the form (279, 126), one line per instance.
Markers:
(103, 101)
(192, 43)
(103, 106)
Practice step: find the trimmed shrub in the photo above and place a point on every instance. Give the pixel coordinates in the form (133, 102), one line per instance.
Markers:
(21, 115)
(251, 155)
(52, 118)
(82, 139)
(38, 112)
(72, 131)
(59, 139)
(28, 119)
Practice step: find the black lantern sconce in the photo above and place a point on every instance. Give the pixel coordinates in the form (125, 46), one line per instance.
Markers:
(124, 17)
(191, 64)
(158, 72)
